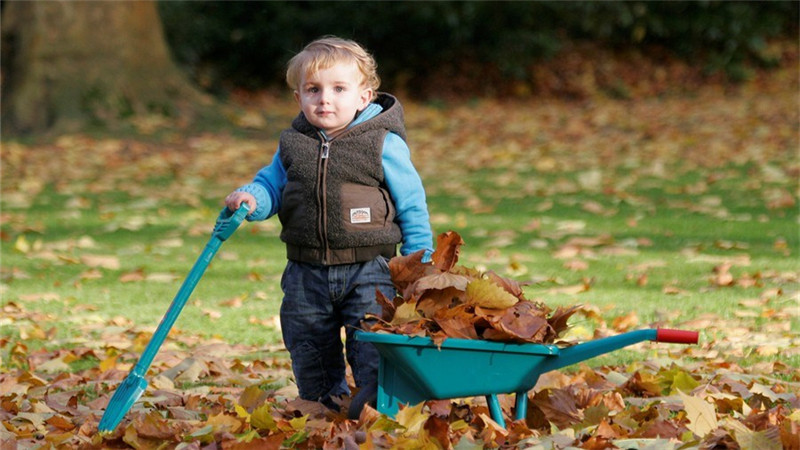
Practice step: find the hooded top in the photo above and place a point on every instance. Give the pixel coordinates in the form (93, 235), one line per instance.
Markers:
(336, 198)
(347, 195)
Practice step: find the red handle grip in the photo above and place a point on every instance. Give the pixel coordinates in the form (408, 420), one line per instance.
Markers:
(676, 336)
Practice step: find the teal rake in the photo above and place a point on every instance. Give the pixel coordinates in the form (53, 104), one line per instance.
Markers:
(135, 384)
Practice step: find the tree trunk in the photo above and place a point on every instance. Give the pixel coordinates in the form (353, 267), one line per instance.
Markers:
(72, 63)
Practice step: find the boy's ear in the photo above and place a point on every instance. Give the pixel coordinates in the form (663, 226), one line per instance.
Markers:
(366, 98)
(297, 96)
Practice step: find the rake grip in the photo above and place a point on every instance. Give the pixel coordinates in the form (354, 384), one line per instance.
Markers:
(676, 336)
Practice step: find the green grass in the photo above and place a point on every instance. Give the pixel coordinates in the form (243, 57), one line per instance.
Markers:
(651, 243)
(673, 246)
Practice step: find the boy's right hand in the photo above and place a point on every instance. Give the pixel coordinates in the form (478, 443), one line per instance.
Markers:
(235, 199)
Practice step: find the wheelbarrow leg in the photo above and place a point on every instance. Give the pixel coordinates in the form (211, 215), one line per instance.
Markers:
(497, 412)
(521, 405)
(495, 409)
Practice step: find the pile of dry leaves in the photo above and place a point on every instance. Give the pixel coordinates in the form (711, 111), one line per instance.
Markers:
(441, 299)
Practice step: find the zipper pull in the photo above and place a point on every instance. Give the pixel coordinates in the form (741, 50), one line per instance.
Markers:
(325, 148)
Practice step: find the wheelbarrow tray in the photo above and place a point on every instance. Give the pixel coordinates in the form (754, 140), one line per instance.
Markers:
(413, 369)
(459, 367)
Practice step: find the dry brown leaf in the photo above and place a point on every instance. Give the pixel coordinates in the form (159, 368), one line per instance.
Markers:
(441, 281)
(407, 269)
(448, 246)
(456, 322)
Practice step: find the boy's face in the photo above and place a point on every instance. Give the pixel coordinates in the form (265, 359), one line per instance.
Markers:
(331, 97)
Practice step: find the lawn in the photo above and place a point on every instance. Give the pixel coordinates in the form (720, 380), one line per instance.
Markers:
(676, 211)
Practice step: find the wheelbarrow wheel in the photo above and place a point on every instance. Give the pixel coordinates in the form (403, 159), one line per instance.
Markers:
(366, 395)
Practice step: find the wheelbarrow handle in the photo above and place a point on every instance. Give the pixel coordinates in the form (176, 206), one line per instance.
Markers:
(676, 336)
(571, 355)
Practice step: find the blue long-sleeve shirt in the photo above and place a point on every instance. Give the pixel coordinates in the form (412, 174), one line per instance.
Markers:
(402, 180)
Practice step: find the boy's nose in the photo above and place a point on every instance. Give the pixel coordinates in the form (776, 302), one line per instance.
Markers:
(324, 96)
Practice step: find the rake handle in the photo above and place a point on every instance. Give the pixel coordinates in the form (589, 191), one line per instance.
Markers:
(227, 223)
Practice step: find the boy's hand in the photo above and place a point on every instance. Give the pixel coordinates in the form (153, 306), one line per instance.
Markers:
(236, 198)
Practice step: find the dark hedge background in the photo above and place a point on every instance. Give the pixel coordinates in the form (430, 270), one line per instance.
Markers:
(228, 45)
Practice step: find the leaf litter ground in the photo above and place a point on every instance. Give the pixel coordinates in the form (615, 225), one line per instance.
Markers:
(207, 393)
(214, 393)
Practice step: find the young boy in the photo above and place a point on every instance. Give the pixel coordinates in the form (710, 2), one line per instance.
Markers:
(346, 192)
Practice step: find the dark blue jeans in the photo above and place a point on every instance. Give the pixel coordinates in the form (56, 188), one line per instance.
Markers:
(318, 301)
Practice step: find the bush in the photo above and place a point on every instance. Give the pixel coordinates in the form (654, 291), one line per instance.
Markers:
(246, 44)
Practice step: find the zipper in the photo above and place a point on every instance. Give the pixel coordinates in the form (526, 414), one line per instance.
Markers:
(322, 222)
(325, 150)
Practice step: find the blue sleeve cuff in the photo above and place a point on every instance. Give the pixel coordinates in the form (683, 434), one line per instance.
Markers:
(263, 204)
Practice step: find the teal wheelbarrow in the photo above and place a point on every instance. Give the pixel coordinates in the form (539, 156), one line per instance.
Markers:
(415, 369)
(135, 384)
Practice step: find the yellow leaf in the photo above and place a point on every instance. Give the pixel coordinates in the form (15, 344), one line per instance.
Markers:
(249, 436)
(682, 381)
(487, 294)
(384, 424)
(405, 313)
(241, 412)
(701, 414)
(409, 442)
(22, 245)
(412, 418)
(261, 419)
(459, 425)
(299, 423)
(108, 363)
(70, 357)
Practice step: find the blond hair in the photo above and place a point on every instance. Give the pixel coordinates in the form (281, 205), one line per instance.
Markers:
(328, 51)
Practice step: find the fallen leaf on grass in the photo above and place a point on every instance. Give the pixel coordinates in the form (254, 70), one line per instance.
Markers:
(701, 414)
(102, 261)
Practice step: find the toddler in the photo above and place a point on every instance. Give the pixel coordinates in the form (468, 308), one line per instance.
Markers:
(346, 193)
